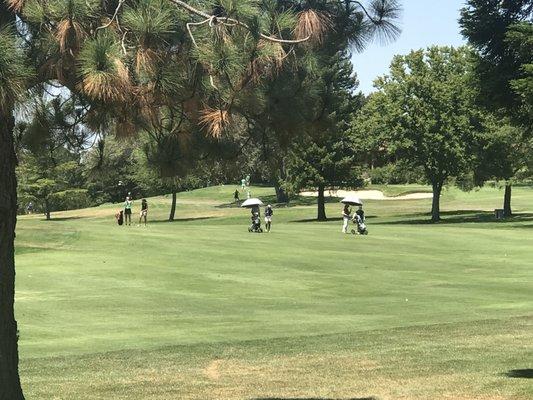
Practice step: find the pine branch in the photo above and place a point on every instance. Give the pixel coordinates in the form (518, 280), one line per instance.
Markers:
(213, 19)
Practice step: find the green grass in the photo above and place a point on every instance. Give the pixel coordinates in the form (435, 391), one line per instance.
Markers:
(200, 309)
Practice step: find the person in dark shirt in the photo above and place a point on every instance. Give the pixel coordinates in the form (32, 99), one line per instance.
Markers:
(361, 213)
(236, 196)
(144, 211)
(268, 217)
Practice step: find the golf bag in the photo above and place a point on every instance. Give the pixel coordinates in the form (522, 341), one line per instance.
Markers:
(256, 224)
(360, 224)
(120, 217)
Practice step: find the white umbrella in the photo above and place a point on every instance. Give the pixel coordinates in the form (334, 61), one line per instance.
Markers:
(352, 200)
(252, 203)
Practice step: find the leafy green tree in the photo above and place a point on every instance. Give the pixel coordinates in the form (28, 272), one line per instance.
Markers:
(501, 32)
(427, 105)
(52, 188)
(294, 105)
(49, 147)
(109, 168)
(325, 156)
(371, 137)
(503, 154)
(168, 152)
(520, 39)
(368, 130)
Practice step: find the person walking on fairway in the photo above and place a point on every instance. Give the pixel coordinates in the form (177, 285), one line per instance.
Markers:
(127, 210)
(268, 217)
(346, 214)
(236, 196)
(144, 211)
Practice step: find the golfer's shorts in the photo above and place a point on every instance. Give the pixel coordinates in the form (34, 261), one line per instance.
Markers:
(127, 211)
(268, 219)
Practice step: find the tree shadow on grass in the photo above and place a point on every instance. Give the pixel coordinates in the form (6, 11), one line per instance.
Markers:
(297, 201)
(460, 217)
(520, 373)
(265, 199)
(335, 219)
(60, 219)
(191, 219)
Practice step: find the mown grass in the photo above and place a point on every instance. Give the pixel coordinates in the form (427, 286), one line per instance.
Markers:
(200, 309)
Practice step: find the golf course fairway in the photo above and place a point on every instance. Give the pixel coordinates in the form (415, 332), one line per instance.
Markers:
(201, 309)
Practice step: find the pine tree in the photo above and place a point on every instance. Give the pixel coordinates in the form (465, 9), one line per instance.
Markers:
(324, 157)
(501, 32)
(128, 59)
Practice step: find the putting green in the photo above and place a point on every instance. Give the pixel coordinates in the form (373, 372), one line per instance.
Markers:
(199, 308)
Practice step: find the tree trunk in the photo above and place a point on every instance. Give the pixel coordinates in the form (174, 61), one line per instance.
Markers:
(281, 194)
(507, 212)
(321, 204)
(435, 207)
(10, 388)
(47, 209)
(173, 207)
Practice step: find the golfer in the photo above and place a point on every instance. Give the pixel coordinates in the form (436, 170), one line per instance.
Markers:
(346, 214)
(144, 211)
(128, 204)
(236, 196)
(268, 217)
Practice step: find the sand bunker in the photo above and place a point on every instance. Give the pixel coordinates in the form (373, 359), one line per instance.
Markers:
(369, 195)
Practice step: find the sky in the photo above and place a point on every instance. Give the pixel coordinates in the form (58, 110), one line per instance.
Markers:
(424, 23)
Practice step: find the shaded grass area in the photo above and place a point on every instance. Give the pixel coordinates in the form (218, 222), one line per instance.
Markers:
(520, 373)
(465, 217)
(200, 309)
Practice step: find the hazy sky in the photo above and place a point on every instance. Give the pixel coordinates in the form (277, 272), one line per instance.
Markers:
(424, 22)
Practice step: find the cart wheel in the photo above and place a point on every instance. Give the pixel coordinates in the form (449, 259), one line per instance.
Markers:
(353, 231)
(260, 230)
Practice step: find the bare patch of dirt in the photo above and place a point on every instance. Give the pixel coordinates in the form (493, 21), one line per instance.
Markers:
(212, 371)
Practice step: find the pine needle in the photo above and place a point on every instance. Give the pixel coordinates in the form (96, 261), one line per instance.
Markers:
(146, 60)
(70, 35)
(215, 121)
(108, 86)
(312, 24)
(15, 5)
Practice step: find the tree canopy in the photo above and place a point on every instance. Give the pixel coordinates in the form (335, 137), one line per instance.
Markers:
(426, 105)
(501, 32)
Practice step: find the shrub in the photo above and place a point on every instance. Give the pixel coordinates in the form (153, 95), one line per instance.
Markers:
(70, 199)
(396, 173)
